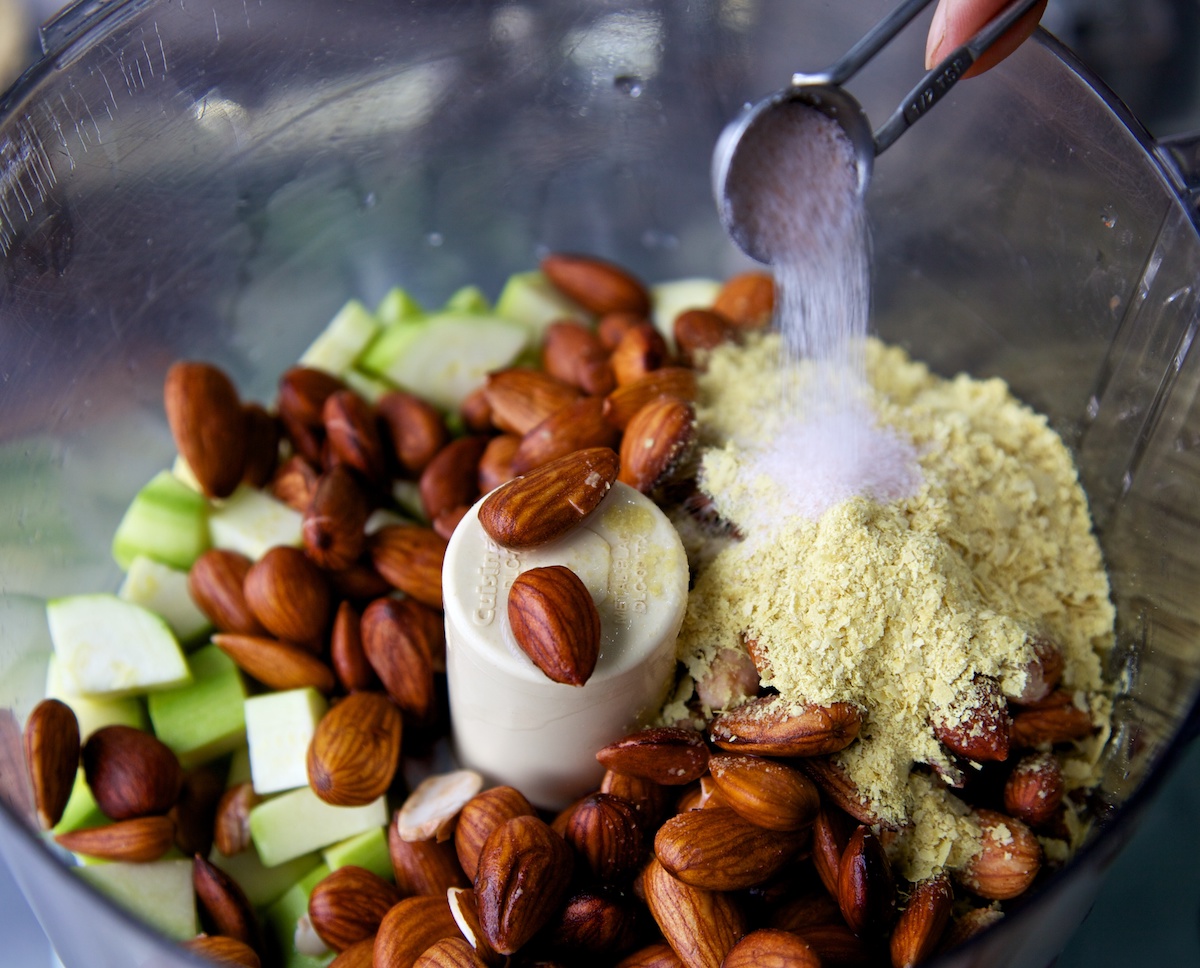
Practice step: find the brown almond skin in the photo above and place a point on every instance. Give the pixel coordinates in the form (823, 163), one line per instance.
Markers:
(1008, 861)
(547, 503)
(131, 773)
(138, 840)
(414, 427)
(965, 926)
(359, 583)
(556, 623)
(263, 433)
(747, 300)
(231, 829)
(765, 792)
(277, 665)
(657, 955)
(215, 582)
(668, 381)
(770, 947)
(223, 951)
(476, 412)
(837, 946)
(346, 654)
(665, 754)
(1049, 726)
(921, 925)
(289, 595)
(1042, 675)
(866, 890)
(446, 522)
(641, 350)
(332, 528)
(595, 284)
(606, 833)
(656, 441)
(650, 800)
(451, 478)
(830, 834)
(520, 399)
(424, 866)
(208, 424)
(450, 953)
(1034, 790)
(352, 435)
(410, 928)
(294, 483)
(482, 814)
(577, 426)
(301, 404)
(807, 910)
(592, 924)
(195, 810)
(466, 914)
(575, 354)
(52, 745)
(355, 750)
(715, 849)
(613, 326)
(523, 875)
(700, 926)
(770, 726)
(223, 904)
(700, 331)
(980, 733)
(410, 558)
(839, 790)
(496, 464)
(396, 643)
(361, 954)
(348, 904)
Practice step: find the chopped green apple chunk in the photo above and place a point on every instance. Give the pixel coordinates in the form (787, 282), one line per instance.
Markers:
(239, 767)
(263, 885)
(669, 299)
(251, 522)
(81, 812)
(299, 822)
(529, 298)
(164, 590)
(370, 388)
(167, 521)
(368, 850)
(468, 299)
(337, 347)
(206, 718)
(387, 346)
(452, 353)
(183, 472)
(93, 714)
(160, 893)
(284, 916)
(279, 727)
(396, 306)
(113, 648)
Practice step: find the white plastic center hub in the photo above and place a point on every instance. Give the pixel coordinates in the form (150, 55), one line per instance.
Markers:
(512, 723)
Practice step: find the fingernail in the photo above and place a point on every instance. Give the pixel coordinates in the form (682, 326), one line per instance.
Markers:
(937, 34)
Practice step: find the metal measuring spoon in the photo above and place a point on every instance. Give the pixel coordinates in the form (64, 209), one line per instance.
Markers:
(763, 129)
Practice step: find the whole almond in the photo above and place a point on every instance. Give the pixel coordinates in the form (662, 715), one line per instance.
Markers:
(1034, 790)
(575, 354)
(976, 724)
(301, 404)
(138, 840)
(496, 464)
(289, 595)
(657, 440)
(842, 792)
(866, 890)
(648, 798)
(597, 285)
(1042, 674)
(815, 907)
(669, 381)
(412, 927)
(970, 923)
(131, 773)
(223, 904)
(592, 924)
(715, 849)
(1008, 860)
(395, 642)
(208, 425)
(277, 665)
(547, 503)
(346, 654)
(415, 428)
(555, 623)
(668, 755)
(577, 426)
(215, 582)
(334, 520)
(424, 866)
(613, 326)
(263, 433)
(347, 905)
(410, 558)
(921, 926)
(524, 871)
(772, 726)
(830, 834)
(770, 946)
(747, 300)
(606, 832)
(520, 398)
(355, 750)
(482, 814)
(52, 745)
(451, 478)
(231, 833)
(223, 951)
(700, 331)
(352, 433)
(765, 792)
(657, 955)
(1049, 726)
(449, 953)
(700, 926)
(294, 483)
(641, 350)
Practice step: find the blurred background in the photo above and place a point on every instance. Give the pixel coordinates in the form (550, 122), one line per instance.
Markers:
(1148, 52)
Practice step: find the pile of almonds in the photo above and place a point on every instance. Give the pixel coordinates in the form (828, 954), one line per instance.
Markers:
(742, 847)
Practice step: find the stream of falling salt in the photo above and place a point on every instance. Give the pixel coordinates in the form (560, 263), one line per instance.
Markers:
(809, 214)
